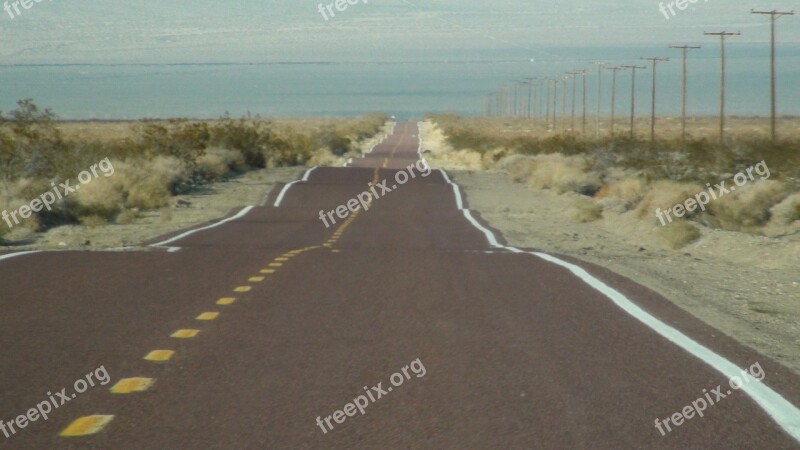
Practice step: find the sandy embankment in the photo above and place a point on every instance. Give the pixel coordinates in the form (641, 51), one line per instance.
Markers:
(744, 285)
(207, 203)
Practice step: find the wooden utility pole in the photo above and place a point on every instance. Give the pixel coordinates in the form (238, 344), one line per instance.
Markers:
(633, 68)
(547, 104)
(540, 91)
(614, 94)
(563, 97)
(653, 104)
(583, 73)
(774, 16)
(514, 99)
(722, 36)
(555, 104)
(572, 120)
(685, 49)
(529, 82)
(600, 66)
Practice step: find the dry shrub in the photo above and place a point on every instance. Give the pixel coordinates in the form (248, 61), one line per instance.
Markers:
(324, 157)
(102, 197)
(629, 191)
(93, 221)
(212, 166)
(665, 194)
(562, 174)
(787, 211)
(150, 184)
(748, 207)
(490, 159)
(127, 217)
(586, 210)
(517, 166)
(678, 234)
(459, 160)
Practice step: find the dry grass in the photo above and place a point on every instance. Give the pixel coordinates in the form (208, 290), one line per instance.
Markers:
(153, 159)
(585, 210)
(747, 208)
(626, 173)
(678, 234)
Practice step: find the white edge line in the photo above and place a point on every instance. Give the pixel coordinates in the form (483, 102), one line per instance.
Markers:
(289, 185)
(14, 255)
(783, 412)
(238, 215)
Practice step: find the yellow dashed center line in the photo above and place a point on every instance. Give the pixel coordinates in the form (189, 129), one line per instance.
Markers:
(86, 425)
(159, 355)
(92, 424)
(185, 334)
(131, 385)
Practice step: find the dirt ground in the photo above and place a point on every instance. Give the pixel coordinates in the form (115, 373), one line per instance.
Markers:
(746, 286)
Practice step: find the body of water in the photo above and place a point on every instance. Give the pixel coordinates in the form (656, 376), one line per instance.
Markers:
(405, 88)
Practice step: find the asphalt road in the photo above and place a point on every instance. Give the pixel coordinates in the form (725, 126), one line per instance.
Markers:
(493, 346)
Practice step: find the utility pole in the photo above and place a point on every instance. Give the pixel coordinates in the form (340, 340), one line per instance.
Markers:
(583, 76)
(653, 105)
(529, 82)
(633, 68)
(572, 120)
(774, 16)
(537, 101)
(514, 100)
(563, 97)
(600, 66)
(685, 49)
(547, 105)
(503, 100)
(614, 70)
(722, 36)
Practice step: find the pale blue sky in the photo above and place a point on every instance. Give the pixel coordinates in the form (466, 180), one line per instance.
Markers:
(159, 31)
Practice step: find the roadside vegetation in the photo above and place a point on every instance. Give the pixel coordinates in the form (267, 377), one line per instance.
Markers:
(153, 159)
(621, 173)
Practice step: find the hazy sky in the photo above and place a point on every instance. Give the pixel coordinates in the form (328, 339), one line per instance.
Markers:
(144, 31)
